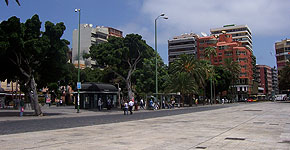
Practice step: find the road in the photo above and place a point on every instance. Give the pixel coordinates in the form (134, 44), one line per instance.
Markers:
(21, 126)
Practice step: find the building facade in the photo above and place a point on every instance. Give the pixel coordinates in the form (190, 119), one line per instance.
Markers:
(282, 53)
(265, 79)
(226, 48)
(184, 44)
(241, 33)
(88, 37)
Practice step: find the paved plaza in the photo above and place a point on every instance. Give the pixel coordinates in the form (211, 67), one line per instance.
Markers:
(257, 126)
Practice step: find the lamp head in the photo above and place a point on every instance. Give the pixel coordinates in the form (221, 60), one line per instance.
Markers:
(76, 10)
(162, 14)
(165, 17)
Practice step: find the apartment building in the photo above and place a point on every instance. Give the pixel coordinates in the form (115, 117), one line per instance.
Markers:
(183, 44)
(88, 37)
(241, 33)
(264, 79)
(227, 48)
(282, 53)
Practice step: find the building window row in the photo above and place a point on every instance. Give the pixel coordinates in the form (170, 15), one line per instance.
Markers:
(223, 47)
(212, 41)
(241, 52)
(228, 53)
(181, 43)
(242, 59)
(182, 49)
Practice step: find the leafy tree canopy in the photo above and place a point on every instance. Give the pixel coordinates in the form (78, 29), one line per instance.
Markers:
(32, 56)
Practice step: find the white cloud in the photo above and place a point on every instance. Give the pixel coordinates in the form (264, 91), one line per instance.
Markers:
(266, 18)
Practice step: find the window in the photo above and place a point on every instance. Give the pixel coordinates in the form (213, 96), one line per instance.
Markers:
(223, 47)
(220, 54)
(244, 66)
(240, 52)
(228, 53)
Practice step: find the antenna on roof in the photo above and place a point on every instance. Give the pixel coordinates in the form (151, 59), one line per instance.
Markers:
(203, 34)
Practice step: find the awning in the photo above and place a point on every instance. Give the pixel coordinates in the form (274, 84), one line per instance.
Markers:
(98, 88)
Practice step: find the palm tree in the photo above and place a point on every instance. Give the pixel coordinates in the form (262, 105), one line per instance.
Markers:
(234, 68)
(17, 1)
(187, 64)
(209, 52)
(182, 82)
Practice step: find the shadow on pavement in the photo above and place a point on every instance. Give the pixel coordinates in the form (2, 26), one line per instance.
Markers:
(15, 114)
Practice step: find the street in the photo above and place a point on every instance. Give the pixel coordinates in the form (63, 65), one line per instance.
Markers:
(242, 126)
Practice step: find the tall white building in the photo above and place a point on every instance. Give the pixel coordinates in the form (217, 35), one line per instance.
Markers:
(90, 36)
(240, 33)
(183, 44)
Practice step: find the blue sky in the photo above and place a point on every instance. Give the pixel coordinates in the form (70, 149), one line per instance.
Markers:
(269, 20)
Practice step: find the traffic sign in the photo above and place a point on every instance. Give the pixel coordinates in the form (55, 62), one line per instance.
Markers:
(79, 85)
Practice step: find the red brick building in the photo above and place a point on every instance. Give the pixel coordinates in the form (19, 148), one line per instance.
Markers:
(264, 78)
(227, 48)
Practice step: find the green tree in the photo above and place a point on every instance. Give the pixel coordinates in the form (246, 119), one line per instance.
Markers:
(284, 77)
(186, 65)
(36, 58)
(144, 77)
(122, 56)
(235, 68)
(222, 79)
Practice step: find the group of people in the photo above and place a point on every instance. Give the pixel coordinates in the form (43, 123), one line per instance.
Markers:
(128, 106)
(101, 103)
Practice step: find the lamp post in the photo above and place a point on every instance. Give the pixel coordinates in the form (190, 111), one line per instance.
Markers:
(162, 15)
(78, 100)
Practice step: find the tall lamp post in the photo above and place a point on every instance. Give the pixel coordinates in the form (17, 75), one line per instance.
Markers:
(162, 15)
(78, 100)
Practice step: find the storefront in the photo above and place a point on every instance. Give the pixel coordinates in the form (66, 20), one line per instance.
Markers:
(90, 93)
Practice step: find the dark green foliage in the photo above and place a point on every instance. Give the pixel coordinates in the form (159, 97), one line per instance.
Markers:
(30, 56)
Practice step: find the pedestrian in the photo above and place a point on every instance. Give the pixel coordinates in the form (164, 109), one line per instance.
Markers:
(109, 104)
(48, 101)
(131, 104)
(100, 104)
(21, 108)
(163, 104)
(141, 103)
(60, 102)
(223, 100)
(151, 104)
(136, 105)
(172, 103)
(196, 102)
(125, 108)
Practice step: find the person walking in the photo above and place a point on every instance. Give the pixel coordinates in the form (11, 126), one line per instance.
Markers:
(21, 108)
(126, 108)
(141, 104)
(100, 104)
(131, 104)
(172, 103)
(109, 104)
(196, 102)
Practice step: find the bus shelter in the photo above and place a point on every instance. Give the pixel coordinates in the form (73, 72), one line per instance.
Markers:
(90, 93)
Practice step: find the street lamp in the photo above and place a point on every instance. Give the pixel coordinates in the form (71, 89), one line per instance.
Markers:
(78, 100)
(162, 15)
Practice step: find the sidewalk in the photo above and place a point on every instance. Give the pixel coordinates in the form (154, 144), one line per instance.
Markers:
(62, 111)
(259, 126)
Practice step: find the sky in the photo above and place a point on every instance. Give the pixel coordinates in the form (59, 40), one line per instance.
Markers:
(269, 20)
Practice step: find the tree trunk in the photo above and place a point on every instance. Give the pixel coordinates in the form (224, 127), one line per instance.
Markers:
(129, 88)
(190, 100)
(34, 98)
